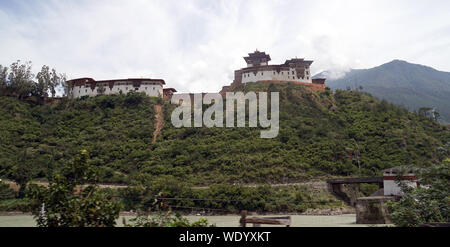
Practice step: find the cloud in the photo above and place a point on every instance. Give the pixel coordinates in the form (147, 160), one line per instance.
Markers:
(196, 45)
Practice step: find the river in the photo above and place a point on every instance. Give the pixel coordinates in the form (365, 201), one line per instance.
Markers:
(344, 220)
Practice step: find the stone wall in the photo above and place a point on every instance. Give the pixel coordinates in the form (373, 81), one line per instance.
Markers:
(373, 210)
(311, 86)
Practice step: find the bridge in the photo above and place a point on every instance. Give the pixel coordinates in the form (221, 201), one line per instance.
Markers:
(336, 187)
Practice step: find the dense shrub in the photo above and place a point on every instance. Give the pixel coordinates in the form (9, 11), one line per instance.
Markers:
(320, 136)
(428, 203)
(6, 192)
(19, 205)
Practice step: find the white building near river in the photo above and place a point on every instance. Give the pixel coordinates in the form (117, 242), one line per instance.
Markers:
(390, 177)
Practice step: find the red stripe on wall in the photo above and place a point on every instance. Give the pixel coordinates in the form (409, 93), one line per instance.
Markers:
(403, 177)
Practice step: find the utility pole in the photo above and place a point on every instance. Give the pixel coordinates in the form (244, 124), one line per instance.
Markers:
(357, 157)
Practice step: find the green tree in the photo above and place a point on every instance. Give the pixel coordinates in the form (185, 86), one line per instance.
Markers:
(6, 192)
(20, 79)
(48, 81)
(436, 116)
(425, 204)
(56, 80)
(66, 87)
(66, 202)
(3, 80)
(22, 173)
(43, 81)
(429, 113)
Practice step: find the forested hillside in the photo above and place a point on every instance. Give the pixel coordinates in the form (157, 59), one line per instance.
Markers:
(322, 134)
(411, 85)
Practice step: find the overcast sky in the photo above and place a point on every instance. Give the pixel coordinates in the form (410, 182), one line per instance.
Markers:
(196, 45)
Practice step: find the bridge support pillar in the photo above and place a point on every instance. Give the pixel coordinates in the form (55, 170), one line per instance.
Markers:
(372, 210)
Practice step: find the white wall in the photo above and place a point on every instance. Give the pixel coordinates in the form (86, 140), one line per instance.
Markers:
(269, 75)
(154, 89)
(391, 188)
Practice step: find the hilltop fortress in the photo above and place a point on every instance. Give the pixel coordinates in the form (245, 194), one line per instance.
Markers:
(90, 87)
(295, 70)
(258, 69)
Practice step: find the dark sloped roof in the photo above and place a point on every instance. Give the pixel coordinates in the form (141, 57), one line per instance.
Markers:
(257, 56)
(87, 79)
(298, 61)
(170, 89)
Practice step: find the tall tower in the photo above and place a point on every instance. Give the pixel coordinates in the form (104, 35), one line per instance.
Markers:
(257, 58)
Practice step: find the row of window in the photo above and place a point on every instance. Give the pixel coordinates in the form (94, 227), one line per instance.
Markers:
(293, 72)
(293, 77)
(126, 88)
(121, 83)
(262, 73)
(131, 83)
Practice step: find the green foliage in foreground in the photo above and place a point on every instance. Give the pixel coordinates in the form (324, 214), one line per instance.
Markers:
(429, 203)
(166, 219)
(321, 134)
(6, 192)
(63, 204)
(19, 205)
(67, 203)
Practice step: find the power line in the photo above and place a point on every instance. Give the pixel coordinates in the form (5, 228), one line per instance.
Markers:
(222, 200)
(198, 208)
(194, 199)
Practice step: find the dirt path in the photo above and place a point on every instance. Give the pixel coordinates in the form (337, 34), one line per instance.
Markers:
(159, 122)
(312, 184)
(15, 187)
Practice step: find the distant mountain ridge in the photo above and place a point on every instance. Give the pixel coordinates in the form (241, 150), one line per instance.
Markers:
(410, 85)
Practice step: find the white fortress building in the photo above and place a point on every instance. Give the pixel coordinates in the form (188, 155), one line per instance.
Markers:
(90, 87)
(258, 69)
(295, 70)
